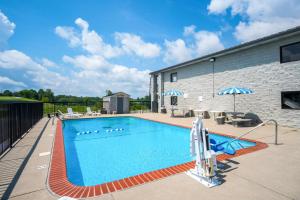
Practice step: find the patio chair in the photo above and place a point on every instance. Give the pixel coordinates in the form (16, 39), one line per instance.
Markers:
(60, 113)
(163, 110)
(69, 114)
(91, 113)
(72, 114)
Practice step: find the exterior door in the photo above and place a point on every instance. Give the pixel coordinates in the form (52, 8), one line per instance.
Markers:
(154, 106)
(119, 105)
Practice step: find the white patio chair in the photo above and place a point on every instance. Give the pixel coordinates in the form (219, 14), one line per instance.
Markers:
(72, 114)
(91, 113)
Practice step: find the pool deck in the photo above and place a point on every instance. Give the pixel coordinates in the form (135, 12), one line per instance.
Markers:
(270, 173)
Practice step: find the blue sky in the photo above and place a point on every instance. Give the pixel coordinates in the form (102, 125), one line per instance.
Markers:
(84, 47)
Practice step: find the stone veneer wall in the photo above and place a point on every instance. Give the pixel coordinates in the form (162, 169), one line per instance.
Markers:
(257, 68)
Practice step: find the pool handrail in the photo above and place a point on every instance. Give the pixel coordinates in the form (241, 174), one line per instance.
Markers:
(261, 124)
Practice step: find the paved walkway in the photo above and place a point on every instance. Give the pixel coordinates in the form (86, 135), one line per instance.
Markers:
(22, 170)
(271, 173)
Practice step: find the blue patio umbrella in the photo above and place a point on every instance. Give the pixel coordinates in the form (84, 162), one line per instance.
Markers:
(235, 91)
(173, 92)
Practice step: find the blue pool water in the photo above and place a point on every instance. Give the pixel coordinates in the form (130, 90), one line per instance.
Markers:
(108, 149)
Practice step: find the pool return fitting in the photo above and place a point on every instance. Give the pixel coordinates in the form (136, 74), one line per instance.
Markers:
(206, 161)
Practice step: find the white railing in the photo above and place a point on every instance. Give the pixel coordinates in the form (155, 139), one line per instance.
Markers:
(263, 123)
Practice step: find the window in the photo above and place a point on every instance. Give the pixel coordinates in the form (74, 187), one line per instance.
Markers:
(289, 53)
(173, 100)
(173, 77)
(290, 100)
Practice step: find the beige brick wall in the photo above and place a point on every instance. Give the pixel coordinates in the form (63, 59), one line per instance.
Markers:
(257, 68)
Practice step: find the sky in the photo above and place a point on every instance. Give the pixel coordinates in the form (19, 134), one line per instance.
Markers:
(86, 47)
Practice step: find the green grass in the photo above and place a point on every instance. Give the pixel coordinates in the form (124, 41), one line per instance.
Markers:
(81, 108)
(14, 99)
(51, 108)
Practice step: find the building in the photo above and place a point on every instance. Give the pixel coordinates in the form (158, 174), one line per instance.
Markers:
(116, 103)
(270, 66)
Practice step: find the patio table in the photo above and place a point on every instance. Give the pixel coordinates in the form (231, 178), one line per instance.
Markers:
(215, 112)
(187, 111)
(238, 122)
(199, 112)
(172, 111)
(236, 114)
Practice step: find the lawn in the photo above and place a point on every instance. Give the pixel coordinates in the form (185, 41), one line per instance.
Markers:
(14, 99)
(76, 107)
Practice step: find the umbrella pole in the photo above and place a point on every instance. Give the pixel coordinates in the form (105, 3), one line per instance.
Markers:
(233, 102)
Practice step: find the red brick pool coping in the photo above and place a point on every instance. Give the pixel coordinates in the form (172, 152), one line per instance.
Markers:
(60, 185)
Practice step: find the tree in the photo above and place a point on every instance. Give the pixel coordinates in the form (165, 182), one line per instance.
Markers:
(7, 93)
(108, 92)
(30, 94)
(41, 94)
(145, 98)
(49, 94)
(44, 99)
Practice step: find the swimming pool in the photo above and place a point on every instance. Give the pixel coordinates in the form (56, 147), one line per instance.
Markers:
(103, 150)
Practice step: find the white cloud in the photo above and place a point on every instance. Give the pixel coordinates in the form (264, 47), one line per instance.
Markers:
(90, 62)
(259, 18)
(96, 75)
(6, 28)
(13, 59)
(8, 81)
(88, 40)
(117, 78)
(176, 51)
(93, 43)
(90, 73)
(84, 25)
(134, 44)
(48, 63)
(207, 42)
(69, 34)
(94, 72)
(220, 6)
(194, 44)
(33, 72)
(188, 30)
(252, 30)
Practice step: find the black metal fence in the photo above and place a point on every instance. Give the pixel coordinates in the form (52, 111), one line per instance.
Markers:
(137, 105)
(16, 118)
(53, 107)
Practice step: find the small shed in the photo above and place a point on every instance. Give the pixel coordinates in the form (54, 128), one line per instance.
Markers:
(117, 102)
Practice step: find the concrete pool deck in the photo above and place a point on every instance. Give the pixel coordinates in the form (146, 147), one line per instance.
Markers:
(271, 173)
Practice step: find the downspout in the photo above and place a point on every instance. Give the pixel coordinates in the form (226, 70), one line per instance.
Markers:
(149, 92)
(162, 88)
(212, 60)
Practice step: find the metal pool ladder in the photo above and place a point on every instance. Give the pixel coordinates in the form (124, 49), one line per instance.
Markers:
(263, 123)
